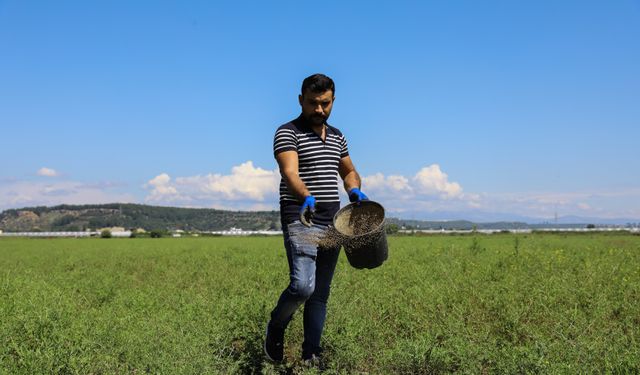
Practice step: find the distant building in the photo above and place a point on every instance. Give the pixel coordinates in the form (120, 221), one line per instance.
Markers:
(113, 229)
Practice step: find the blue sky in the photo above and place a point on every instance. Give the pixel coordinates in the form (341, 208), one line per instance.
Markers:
(452, 109)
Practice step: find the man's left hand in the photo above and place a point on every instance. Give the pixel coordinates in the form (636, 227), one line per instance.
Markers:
(355, 195)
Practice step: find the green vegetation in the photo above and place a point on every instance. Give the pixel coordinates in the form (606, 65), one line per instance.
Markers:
(391, 228)
(156, 234)
(94, 216)
(540, 303)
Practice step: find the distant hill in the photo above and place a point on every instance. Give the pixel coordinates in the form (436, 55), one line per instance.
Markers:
(595, 220)
(93, 216)
(492, 218)
(456, 224)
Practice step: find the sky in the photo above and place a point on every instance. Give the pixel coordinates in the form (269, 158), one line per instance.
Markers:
(452, 109)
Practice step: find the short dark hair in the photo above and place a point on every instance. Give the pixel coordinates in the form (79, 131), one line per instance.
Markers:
(318, 83)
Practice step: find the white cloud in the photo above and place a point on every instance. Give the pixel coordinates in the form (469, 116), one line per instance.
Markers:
(20, 193)
(247, 186)
(251, 187)
(430, 191)
(244, 182)
(380, 184)
(47, 172)
(428, 182)
(431, 180)
(619, 203)
(161, 190)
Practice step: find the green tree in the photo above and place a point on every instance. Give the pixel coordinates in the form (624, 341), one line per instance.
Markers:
(392, 228)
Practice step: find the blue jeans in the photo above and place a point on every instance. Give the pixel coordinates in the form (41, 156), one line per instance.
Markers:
(310, 273)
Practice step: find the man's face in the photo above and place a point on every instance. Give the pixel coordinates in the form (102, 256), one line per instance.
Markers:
(316, 107)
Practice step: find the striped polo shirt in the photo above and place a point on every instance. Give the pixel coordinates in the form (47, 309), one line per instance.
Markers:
(318, 162)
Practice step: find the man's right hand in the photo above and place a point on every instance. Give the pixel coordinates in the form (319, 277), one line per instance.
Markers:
(307, 210)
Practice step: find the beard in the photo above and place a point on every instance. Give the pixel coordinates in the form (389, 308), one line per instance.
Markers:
(317, 119)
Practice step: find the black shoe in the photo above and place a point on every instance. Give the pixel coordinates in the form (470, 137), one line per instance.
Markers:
(274, 343)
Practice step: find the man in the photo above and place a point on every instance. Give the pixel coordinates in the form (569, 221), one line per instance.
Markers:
(310, 154)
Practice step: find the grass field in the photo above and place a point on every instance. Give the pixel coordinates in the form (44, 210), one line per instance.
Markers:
(537, 303)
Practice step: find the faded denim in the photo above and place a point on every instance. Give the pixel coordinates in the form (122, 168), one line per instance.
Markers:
(310, 274)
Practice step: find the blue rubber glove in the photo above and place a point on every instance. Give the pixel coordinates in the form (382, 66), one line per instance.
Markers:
(307, 210)
(355, 195)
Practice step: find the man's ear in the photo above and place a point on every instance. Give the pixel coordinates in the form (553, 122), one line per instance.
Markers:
(300, 99)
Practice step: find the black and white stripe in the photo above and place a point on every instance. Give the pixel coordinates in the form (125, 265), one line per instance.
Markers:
(317, 160)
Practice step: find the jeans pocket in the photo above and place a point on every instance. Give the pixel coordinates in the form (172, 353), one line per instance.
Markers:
(303, 240)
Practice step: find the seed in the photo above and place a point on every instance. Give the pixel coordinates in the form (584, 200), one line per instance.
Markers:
(355, 227)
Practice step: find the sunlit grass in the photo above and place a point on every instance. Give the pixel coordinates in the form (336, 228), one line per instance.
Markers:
(541, 303)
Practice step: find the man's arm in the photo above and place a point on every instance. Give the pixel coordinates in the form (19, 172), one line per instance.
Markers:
(288, 163)
(348, 173)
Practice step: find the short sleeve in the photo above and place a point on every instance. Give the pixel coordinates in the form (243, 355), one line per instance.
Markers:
(284, 140)
(344, 150)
